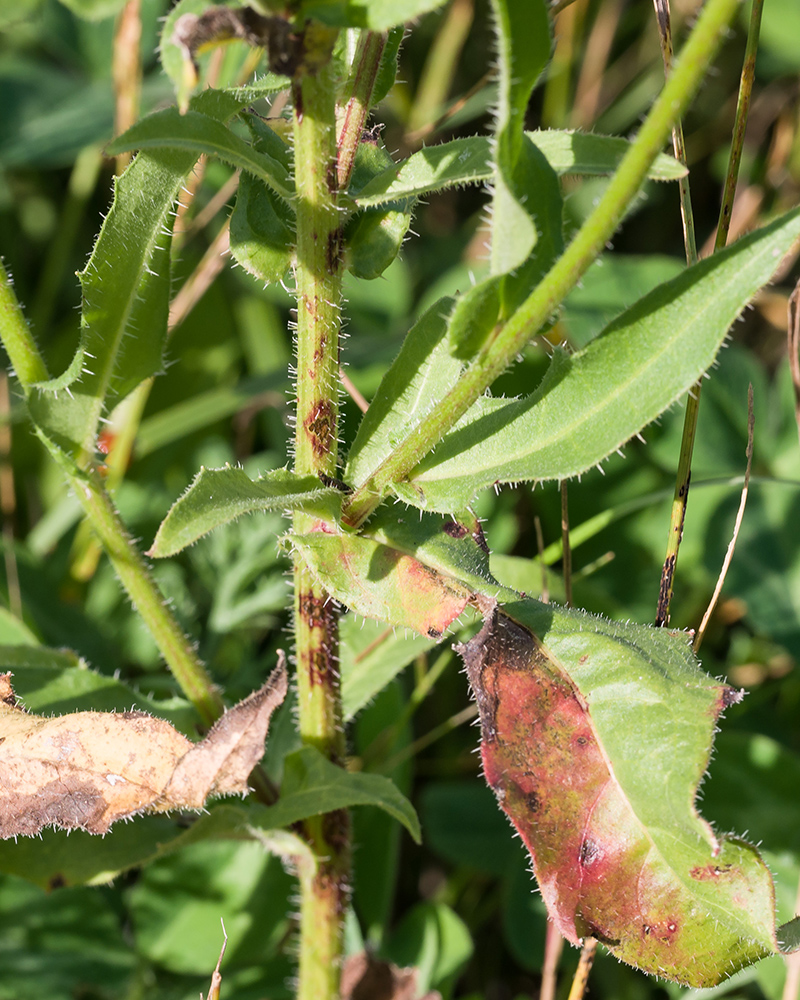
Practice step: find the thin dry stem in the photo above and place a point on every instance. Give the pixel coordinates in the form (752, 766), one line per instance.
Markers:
(8, 500)
(566, 558)
(421, 134)
(216, 977)
(198, 283)
(791, 986)
(465, 715)
(739, 516)
(127, 73)
(215, 204)
(553, 946)
(352, 392)
(441, 64)
(794, 348)
(581, 980)
(595, 60)
(537, 524)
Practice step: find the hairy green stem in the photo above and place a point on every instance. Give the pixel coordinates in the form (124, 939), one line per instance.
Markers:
(27, 362)
(133, 572)
(324, 887)
(497, 354)
(128, 562)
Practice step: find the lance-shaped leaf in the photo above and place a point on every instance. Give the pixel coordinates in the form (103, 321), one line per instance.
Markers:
(262, 223)
(199, 133)
(379, 581)
(373, 236)
(372, 654)
(312, 785)
(378, 15)
(88, 770)
(592, 402)
(595, 736)
(469, 161)
(416, 573)
(125, 287)
(421, 374)
(526, 203)
(218, 496)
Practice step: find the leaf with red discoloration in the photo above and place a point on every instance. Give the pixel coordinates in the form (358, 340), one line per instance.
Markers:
(87, 770)
(379, 581)
(419, 573)
(595, 736)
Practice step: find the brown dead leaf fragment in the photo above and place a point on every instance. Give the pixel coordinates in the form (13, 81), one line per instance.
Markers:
(86, 770)
(365, 977)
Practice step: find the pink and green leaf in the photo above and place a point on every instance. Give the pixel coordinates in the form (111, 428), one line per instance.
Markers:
(595, 737)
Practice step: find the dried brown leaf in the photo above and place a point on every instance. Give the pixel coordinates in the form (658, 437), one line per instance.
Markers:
(365, 977)
(87, 770)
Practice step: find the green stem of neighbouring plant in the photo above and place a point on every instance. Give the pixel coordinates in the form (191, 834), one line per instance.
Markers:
(324, 887)
(135, 577)
(497, 354)
(356, 105)
(27, 362)
(128, 562)
(684, 470)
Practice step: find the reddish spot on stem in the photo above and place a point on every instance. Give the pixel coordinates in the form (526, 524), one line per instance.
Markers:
(333, 251)
(319, 427)
(315, 610)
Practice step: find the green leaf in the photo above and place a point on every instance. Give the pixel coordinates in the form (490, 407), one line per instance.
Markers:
(218, 496)
(612, 284)
(200, 133)
(58, 859)
(312, 785)
(789, 936)
(523, 30)
(592, 402)
(588, 154)
(526, 204)
(434, 940)
(373, 237)
(463, 826)
(379, 581)
(262, 223)
(417, 573)
(63, 945)
(125, 287)
(378, 15)
(422, 373)
(260, 240)
(595, 736)
(469, 161)
(58, 681)
(387, 71)
(94, 10)
(206, 408)
(372, 655)
(177, 904)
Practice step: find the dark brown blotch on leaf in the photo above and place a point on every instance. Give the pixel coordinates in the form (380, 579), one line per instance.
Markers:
(454, 529)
